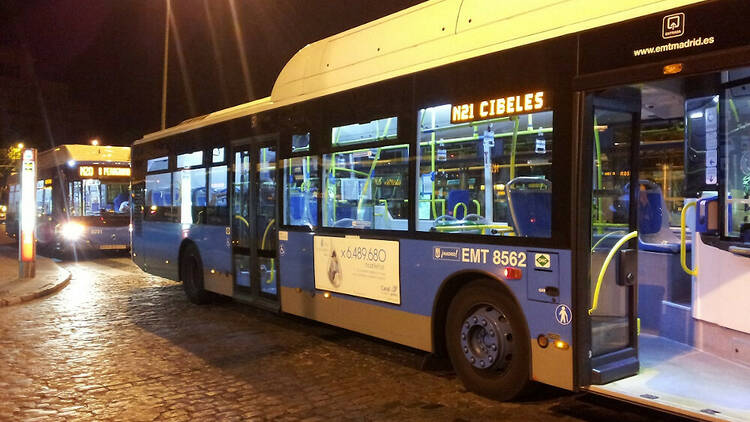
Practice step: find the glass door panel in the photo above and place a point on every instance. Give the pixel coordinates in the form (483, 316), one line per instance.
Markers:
(736, 158)
(610, 223)
(241, 230)
(613, 133)
(265, 220)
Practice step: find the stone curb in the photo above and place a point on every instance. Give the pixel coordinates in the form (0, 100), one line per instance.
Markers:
(63, 279)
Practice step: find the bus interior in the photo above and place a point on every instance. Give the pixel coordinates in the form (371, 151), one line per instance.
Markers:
(504, 162)
(690, 137)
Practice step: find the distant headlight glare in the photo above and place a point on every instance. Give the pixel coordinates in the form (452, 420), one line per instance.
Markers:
(72, 231)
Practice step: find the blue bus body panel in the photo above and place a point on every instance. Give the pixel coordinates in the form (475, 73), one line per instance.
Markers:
(214, 246)
(105, 237)
(158, 246)
(422, 275)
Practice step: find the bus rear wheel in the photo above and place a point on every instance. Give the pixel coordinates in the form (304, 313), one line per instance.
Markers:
(487, 341)
(191, 271)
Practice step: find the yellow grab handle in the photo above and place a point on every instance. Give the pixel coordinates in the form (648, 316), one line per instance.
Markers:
(460, 204)
(683, 251)
(618, 245)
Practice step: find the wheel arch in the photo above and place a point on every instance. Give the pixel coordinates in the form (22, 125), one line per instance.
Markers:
(450, 286)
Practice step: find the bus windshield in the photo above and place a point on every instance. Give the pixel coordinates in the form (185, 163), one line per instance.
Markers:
(91, 197)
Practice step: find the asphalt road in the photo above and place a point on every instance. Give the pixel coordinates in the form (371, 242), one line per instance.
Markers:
(119, 344)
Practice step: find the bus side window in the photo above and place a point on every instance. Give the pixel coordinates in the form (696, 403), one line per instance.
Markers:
(489, 177)
(366, 188)
(301, 191)
(158, 197)
(189, 195)
(217, 207)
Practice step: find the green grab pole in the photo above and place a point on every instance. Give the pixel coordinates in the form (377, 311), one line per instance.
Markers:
(598, 164)
(432, 170)
(733, 107)
(368, 182)
(513, 145)
(460, 204)
(497, 135)
(361, 173)
(387, 126)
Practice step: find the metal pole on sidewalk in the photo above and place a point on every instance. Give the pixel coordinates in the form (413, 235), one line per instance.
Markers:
(27, 215)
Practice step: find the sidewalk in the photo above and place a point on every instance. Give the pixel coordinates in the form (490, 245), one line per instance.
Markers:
(49, 278)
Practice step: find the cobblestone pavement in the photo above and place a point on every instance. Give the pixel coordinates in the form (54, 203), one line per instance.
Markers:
(118, 344)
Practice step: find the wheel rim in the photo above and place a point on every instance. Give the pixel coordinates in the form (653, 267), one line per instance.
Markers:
(486, 337)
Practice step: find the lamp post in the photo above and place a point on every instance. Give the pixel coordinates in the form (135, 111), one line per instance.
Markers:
(166, 66)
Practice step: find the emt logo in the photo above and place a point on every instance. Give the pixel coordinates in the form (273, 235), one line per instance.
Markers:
(673, 25)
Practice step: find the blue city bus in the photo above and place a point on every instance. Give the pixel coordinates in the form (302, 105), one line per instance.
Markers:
(550, 192)
(82, 198)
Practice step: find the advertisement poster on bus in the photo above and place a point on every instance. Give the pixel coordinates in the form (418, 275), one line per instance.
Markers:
(359, 267)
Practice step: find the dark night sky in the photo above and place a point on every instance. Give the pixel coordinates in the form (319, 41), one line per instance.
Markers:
(110, 51)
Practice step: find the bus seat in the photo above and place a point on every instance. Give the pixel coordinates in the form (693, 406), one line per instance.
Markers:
(119, 199)
(156, 198)
(199, 197)
(654, 234)
(312, 208)
(296, 206)
(460, 196)
(530, 203)
(346, 211)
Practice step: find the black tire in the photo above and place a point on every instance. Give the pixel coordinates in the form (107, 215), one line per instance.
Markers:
(191, 272)
(502, 373)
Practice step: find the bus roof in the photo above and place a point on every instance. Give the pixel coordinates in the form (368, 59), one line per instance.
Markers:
(425, 36)
(83, 153)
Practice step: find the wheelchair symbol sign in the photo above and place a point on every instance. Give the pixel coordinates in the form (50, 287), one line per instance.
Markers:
(563, 314)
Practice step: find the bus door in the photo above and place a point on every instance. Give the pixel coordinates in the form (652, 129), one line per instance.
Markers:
(611, 129)
(254, 233)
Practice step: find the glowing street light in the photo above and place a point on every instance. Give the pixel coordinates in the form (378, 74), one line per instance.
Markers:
(95, 142)
(27, 213)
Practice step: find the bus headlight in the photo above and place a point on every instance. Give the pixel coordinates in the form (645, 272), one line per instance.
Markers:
(72, 231)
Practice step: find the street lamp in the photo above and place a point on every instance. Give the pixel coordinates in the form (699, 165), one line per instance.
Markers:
(94, 142)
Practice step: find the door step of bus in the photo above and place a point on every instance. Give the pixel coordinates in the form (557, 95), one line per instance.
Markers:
(257, 301)
(614, 366)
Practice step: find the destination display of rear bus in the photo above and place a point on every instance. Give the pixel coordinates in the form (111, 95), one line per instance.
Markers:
(551, 192)
(82, 197)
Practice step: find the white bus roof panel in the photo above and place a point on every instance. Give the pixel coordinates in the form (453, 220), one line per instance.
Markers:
(426, 36)
(83, 153)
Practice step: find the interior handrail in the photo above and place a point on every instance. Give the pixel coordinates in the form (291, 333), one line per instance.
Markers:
(263, 246)
(612, 252)
(460, 204)
(683, 236)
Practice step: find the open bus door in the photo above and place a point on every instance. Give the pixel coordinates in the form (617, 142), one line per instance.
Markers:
(668, 255)
(611, 130)
(254, 221)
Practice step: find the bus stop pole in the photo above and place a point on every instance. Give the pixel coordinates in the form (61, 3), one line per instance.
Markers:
(27, 215)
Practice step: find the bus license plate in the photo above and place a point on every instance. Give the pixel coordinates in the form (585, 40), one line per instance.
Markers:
(113, 246)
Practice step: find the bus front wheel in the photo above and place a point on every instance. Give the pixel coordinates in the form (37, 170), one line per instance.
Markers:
(487, 341)
(191, 271)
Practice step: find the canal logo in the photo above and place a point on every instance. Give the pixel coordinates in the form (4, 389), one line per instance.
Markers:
(673, 25)
(542, 260)
(563, 314)
(446, 254)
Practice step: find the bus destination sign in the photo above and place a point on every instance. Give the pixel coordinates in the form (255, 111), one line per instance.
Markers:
(94, 171)
(500, 107)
